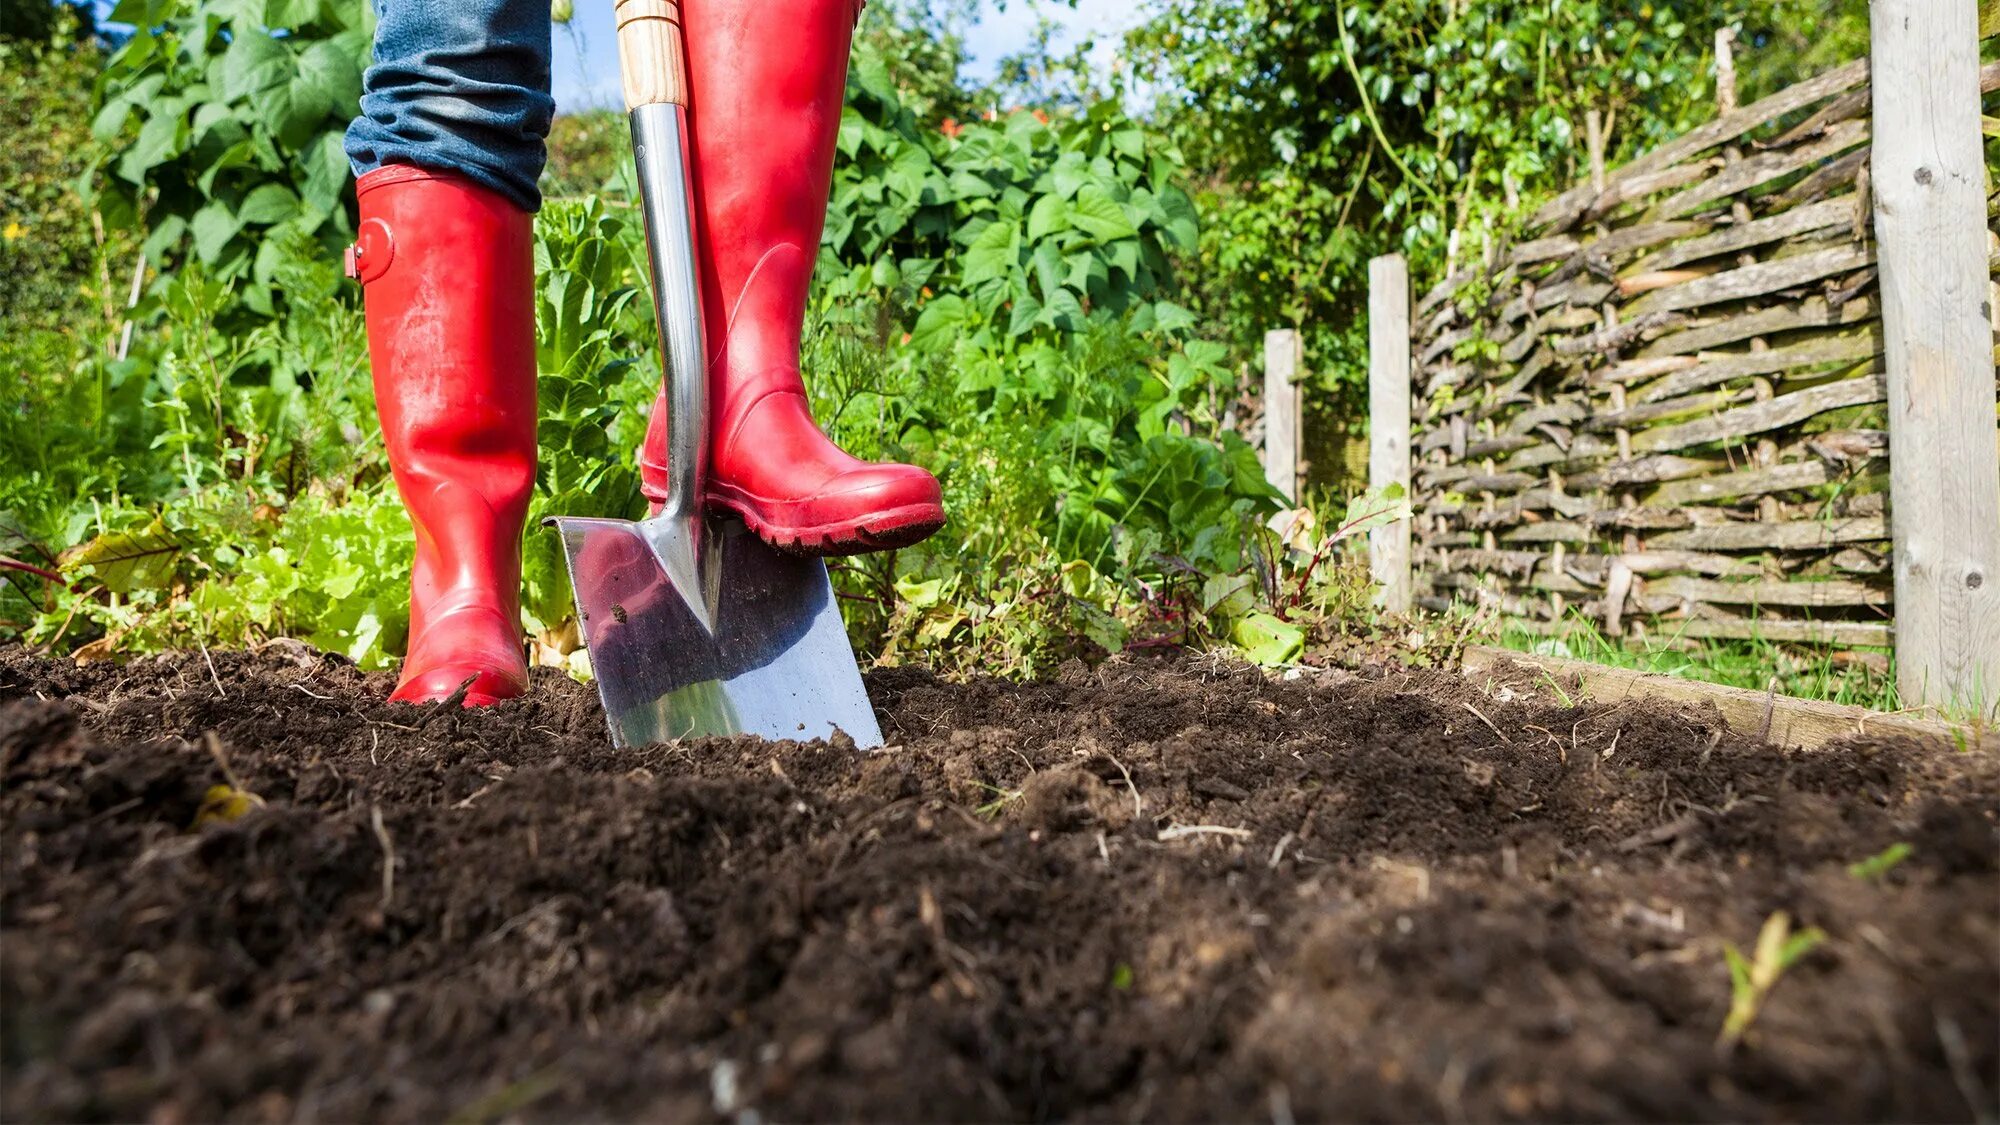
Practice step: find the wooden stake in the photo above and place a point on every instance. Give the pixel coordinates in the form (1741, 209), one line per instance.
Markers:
(1593, 129)
(1389, 421)
(1929, 182)
(1284, 353)
(1725, 69)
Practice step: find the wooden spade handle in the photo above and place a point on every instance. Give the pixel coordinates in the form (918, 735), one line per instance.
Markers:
(652, 53)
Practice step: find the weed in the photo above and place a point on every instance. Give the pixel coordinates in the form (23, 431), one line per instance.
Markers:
(1002, 798)
(1752, 979)
(1557, 688)
(1881, 863)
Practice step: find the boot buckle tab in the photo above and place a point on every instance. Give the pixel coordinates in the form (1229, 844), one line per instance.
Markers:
(371, 253)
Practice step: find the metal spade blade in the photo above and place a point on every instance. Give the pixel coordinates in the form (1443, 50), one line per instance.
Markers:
(695, 626)
(776, 661)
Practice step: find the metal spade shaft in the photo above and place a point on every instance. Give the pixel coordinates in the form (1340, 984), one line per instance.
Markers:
(653, 59)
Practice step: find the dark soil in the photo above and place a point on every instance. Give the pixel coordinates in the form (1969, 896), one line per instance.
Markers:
(1155, 891)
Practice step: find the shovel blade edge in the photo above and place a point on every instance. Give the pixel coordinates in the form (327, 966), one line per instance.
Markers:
(777, 662)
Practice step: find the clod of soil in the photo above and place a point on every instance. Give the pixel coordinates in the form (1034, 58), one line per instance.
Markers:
(1163, 891)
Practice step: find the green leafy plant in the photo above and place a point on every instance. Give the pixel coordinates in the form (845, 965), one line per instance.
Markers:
(226, 119)
(599, 369)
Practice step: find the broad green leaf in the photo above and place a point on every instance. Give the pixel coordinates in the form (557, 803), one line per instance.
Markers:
(1377, 507)
(996, 250)
(853, 130)
(1021, 320)
(268, 203)
(332, 74)
(294, 110)
(938, 324)
(1070, 174)
(166, 234)
(241, 154)
(966, 185)
(1086, 271)
(212, 227)
(242, 14)
(920, 594)
(327, 170)
(1094, 212)
(1063, 311)
(1050, 215)
(125, 561)
(1169, 317)
(1266, 640)
(255, 62)
(1047, 263)
(1181, 227)
(1125, 257)
(1230, 592)
(110, 120)
(161, 138)
(291, 13)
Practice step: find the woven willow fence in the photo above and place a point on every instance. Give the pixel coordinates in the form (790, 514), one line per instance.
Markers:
(1666, 407)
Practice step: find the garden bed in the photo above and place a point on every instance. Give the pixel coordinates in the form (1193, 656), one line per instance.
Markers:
(1160, 890)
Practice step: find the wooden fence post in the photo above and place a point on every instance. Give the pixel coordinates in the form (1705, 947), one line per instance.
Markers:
(1284, 354)
(1389, 420)
(1929, 182)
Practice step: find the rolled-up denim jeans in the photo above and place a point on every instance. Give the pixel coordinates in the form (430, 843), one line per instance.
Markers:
(459, 86)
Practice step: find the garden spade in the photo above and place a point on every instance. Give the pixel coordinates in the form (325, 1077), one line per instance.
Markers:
(694, 625)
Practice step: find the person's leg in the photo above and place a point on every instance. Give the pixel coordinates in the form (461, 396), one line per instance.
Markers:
(766, 84)
(459, 86)
(448, 151)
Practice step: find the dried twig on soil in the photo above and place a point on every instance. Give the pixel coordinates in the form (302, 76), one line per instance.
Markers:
(1179, 831)
(388, 855)
(219, 693)
(456, 699)
(221, 757)
(1661, 834)
(1963, 1074)
(1138, 803)
(1278, 853)
(1418, 875)
(1489, 724)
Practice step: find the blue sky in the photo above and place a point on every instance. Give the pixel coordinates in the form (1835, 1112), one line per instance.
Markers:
(588, 77)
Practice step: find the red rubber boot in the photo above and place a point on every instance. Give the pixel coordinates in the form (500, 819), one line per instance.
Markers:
(447, 269)
(766, 83)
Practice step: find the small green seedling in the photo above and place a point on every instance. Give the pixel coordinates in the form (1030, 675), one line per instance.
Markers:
(1752, 979)
(1881, 863)
(1002, 798)
(1557, 688)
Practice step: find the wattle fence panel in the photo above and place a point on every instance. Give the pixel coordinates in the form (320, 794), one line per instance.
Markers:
(1663, 406)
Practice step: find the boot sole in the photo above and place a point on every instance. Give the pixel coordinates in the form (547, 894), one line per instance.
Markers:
(883, 531)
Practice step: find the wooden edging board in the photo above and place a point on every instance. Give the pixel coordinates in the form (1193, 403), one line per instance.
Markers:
(1782, 719)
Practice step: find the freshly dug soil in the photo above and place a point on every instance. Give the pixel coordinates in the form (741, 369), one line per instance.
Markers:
(1176, 890)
